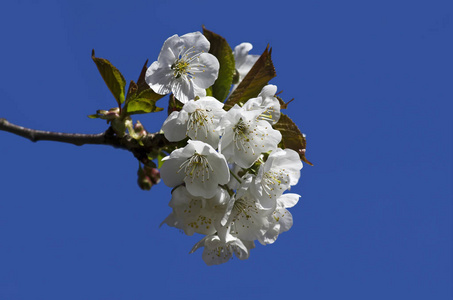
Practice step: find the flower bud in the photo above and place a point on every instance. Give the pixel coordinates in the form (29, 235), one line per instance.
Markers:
(147, 177)
(109, 115)
(139, 130)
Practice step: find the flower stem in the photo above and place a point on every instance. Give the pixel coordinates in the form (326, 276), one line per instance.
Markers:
(235, 177)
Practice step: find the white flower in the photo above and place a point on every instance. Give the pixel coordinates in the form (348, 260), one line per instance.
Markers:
(266, 101)
(197, 120)
(196, 214)
(244, 61)
(280, 171)
(245, 137)
(217, 251)
(183, 67)
(244, 217)
(281, 219)
(197, 165)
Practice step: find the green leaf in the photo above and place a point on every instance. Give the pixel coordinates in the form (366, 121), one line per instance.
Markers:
(292, 138)
(112, 77)
(93, 116)
(144, 103)
(260, 74)
(222, 51)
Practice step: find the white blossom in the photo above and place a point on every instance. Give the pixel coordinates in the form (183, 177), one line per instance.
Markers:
(245, 137)
(280, 171)
(196, 214)
(183, 67)
(198, 120)
(267, 102)
(281, 219)
(244, 217)
(235, 195)
(217, 251)
(197, 165)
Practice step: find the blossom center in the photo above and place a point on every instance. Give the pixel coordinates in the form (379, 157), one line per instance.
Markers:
(244, 206)
(197, 168)
(180, 67)
(187, 63)
(241, 136)
(199, 119)
(273, 180)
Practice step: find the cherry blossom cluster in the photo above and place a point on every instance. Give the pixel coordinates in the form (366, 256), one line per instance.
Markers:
(229, 181)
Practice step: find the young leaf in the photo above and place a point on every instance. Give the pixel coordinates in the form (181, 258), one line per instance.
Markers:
(222, 51)
(112, 77)
(141, 83)
(292, 138)
(131, 91)
(260, 74)
(150, 95)
(144, 103)
(142, 106)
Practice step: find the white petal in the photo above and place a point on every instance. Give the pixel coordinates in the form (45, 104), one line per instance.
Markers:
(198, 91)
(178, 197)
(226, 146)
(173, 129)
(240, 250)
(170, 173)
(221, 197)
(226, 216)
(159, 78)
(210, 103)
(244, 61)
(253, 104)
(170, 50)
(288, 200)
(205, 70)
(216, 256)
(200, 188)
(271, 235)
(195, 41)
(190, 106)
(268, 91)
(285, 220)
(288, 160)
(221, 170)
(183, 89)
(272, 137)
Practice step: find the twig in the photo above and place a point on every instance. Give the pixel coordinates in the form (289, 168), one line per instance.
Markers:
(152, 142)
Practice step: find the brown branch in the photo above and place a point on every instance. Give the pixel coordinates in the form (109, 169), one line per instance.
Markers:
(40, 135)
(151, 143)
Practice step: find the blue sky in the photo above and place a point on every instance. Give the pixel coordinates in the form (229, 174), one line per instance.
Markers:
(372, 83)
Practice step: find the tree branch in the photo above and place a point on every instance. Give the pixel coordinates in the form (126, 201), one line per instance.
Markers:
(39, 135)
(151, 143)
